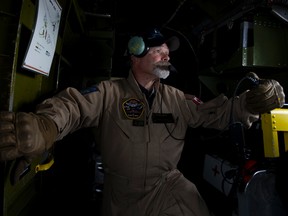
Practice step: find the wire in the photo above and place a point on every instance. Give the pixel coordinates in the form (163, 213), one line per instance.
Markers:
(226, 177)
(161, 111)
(232, 119)
(251, 77)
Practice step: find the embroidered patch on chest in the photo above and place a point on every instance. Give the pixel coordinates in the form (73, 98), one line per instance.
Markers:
(133, 108)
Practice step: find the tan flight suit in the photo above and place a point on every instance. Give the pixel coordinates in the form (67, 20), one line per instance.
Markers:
(141, 146)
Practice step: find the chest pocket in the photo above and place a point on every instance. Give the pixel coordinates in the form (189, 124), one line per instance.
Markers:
(129, 118)
(133, 109)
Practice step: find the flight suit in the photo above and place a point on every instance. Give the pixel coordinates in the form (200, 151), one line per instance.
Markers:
(141, 145)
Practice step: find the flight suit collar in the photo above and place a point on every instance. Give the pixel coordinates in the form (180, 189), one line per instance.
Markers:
(131, 79)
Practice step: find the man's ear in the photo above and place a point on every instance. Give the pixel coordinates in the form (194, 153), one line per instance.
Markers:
(134, 58)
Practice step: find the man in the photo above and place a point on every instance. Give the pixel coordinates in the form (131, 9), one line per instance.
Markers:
(142, 124)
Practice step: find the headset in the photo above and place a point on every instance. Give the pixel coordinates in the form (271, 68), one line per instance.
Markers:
(137, 46)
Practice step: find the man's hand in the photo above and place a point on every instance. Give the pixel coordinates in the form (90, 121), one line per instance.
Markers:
(264, 97)
(25, 134)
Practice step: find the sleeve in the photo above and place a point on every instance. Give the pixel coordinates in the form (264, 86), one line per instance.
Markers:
(220, 112)
(71, 109)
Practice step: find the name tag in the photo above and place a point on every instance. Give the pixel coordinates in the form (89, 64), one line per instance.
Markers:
(162, 118)
(138, 122)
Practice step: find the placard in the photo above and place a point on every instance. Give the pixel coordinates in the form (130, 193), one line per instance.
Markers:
(40, 53)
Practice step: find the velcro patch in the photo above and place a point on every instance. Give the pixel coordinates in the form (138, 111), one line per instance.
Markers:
(89, 90)
(133, 108)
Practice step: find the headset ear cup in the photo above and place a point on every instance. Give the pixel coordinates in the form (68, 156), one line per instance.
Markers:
(136, 46)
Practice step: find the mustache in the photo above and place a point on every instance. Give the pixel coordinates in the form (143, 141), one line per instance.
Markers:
(163, 65)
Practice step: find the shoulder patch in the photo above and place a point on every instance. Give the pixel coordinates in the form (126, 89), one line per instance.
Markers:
(193, 98)
(89, 90)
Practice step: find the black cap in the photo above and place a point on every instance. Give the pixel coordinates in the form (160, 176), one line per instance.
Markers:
(156, 38)
(140, 44)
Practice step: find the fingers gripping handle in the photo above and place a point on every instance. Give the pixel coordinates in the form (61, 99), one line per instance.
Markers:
(7, 135)
(25, 134)
(266, 95)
